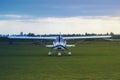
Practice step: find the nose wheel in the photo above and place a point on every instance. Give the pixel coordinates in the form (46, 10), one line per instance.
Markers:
(59, 54)
(69, 53)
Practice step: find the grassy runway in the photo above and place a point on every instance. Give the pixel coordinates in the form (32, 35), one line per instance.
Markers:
(89, 61)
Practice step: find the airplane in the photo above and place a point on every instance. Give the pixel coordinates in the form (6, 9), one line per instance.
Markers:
(59, 42)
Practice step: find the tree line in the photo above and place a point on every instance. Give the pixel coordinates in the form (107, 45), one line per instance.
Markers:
(86, 34)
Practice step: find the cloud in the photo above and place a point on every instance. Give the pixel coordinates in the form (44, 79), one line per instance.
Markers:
(78, 24)
(11, 16)
(14, 16)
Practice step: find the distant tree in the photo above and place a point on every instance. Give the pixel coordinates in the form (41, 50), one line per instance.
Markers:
(30, 34)
(21, 33)
(111, 33)
(86, 34)
(107, 33)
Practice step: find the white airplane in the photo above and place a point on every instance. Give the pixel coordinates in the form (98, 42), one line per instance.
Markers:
(59, 42)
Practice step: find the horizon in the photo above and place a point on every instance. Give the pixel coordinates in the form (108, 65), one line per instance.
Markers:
(30, 33)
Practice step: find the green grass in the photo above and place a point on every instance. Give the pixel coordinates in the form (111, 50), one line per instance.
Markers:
(89, 61)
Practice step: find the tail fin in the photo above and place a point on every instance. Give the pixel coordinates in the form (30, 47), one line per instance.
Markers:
(49, 46)
(70, 45)
(59, 36)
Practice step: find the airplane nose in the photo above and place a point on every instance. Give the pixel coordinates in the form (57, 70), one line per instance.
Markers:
(59, 48)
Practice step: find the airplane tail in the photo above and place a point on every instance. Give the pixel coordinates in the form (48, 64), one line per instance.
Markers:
(49, 46)
(70, 45)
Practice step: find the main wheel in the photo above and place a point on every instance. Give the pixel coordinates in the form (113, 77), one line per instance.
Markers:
(49, 53)
(69, 53)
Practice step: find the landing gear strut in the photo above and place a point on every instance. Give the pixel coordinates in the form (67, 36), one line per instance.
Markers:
(49, 54)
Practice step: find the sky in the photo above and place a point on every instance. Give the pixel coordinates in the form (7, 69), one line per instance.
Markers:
(55, 16)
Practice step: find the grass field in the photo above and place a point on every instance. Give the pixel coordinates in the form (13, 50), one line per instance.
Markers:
(89, 61)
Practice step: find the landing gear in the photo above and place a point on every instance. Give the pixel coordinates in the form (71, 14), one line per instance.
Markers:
(69, 53)
(49, 54)
(59, 54)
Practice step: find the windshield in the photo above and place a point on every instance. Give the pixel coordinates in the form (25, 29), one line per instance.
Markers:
(59, 39)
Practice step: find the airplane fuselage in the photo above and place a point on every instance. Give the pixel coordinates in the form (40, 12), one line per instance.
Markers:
(59, 43)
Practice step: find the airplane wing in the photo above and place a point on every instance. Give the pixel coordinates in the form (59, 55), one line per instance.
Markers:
(85, 37)
(28, 37)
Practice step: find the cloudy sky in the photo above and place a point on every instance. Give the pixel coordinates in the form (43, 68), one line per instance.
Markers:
(55, 16)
